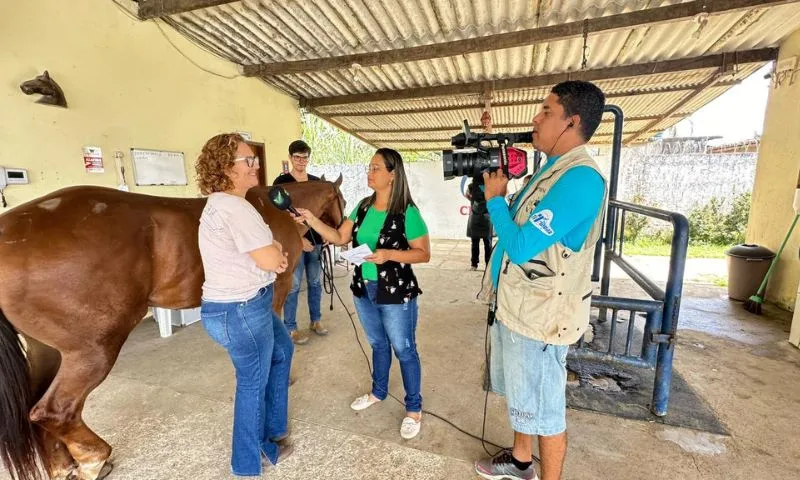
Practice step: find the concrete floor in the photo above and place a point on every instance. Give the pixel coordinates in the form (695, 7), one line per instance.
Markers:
(166, 407)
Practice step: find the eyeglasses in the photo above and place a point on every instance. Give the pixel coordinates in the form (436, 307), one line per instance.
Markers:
(374, 168)
(251, 161)
(301, 158)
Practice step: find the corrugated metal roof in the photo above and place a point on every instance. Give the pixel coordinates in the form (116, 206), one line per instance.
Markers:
(253, 32)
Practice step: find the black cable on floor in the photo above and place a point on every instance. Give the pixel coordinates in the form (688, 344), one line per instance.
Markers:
(327, 273)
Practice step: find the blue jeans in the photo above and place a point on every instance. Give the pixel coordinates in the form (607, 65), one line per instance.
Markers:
(261, 351)
(392, 327)
(311, 263)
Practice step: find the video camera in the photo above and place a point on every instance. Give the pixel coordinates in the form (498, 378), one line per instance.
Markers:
(472, 156)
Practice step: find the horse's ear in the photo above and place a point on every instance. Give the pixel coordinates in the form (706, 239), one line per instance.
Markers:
(46, 75)
(323, 178)
(338, 181)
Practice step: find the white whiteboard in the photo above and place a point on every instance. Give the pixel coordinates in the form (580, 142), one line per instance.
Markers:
(158, 167)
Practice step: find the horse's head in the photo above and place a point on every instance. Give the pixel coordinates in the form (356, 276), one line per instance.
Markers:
(322, 198)
(47, 87)
(333, 210)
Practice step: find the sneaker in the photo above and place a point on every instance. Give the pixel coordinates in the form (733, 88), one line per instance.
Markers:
(501, 467)
(410, 428)
(298, 338)
(318, 328)
(364, 401)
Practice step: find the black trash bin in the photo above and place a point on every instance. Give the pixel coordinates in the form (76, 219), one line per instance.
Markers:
(747, 266)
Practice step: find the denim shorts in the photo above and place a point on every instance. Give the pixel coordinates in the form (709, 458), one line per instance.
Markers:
(532, 376)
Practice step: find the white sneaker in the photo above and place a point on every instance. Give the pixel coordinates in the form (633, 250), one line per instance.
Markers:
(364, 401)
(410, 428)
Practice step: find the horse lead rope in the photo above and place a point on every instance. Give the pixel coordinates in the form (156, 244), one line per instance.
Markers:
(327, 272)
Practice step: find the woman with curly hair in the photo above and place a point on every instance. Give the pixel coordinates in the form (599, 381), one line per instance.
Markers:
(241, 261)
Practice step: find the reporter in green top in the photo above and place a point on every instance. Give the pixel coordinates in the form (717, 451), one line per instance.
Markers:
(385, 288)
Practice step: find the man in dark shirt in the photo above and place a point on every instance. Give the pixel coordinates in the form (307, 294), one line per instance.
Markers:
(310, 261)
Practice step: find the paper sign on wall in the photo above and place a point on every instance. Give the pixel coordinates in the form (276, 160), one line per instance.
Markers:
(158, 167)
(93, 159)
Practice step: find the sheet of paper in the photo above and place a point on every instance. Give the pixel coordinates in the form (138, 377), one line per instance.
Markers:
(356, 255)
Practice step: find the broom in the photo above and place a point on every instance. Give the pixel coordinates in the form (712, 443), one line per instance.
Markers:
(754, 304)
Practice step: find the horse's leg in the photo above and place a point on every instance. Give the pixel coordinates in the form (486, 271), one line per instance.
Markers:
(58, 461)
(282, 286)
(59, 410)
(44, 363)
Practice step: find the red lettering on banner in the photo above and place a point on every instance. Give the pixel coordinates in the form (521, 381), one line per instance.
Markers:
(465, 210)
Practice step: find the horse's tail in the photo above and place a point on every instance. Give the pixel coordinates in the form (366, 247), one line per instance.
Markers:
(20, 448)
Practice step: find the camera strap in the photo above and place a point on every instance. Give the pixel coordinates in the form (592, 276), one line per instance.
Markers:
(490, 317)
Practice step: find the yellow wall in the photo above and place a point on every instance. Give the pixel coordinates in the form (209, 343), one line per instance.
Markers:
(776, 173)
(126, 87)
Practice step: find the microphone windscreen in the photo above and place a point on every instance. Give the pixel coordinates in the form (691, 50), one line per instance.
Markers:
(279, 197)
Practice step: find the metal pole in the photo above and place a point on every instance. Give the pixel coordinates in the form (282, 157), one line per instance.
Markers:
(616, 153)
(672, 306)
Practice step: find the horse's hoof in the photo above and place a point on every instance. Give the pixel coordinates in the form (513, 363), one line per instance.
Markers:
(97, 471)
(64, 473)
(105, 471)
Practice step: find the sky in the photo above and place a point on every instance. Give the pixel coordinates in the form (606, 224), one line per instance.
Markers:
(736, 115)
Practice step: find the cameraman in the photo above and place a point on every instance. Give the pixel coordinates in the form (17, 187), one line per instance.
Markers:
(540, 284)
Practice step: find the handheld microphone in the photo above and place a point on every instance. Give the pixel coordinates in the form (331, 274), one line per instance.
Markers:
(279, 197)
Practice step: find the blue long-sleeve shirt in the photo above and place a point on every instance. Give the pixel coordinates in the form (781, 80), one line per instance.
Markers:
(565, 214)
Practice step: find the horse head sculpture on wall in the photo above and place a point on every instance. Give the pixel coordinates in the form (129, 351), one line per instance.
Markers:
(47, 87)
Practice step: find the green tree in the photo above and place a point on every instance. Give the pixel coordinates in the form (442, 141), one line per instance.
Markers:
(736, 220)
(707, 223)
(710, 223)
(635, 223)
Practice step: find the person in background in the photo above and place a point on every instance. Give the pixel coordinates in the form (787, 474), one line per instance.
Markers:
(479, 228)
(311, 260)
(241, 261)
(385, 287)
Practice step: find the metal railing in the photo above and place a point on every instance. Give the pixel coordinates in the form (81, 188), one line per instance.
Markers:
(668, 300)
(661, 312)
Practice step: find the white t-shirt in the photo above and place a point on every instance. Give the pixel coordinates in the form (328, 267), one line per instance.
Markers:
(230, 227)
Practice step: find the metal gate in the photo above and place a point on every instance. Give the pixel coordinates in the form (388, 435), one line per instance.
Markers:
(657, 334)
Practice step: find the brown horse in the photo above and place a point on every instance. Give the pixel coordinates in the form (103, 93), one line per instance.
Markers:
(78, 270)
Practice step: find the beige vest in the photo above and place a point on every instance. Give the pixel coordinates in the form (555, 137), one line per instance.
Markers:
(548, 298)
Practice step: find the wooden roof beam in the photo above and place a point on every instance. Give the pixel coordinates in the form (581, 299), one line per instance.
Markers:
(478, 126)
(688, 98)
(592, 75)
(532, 36)
(161, 8)
(517, 103)
(604, 139)
(387, 141)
